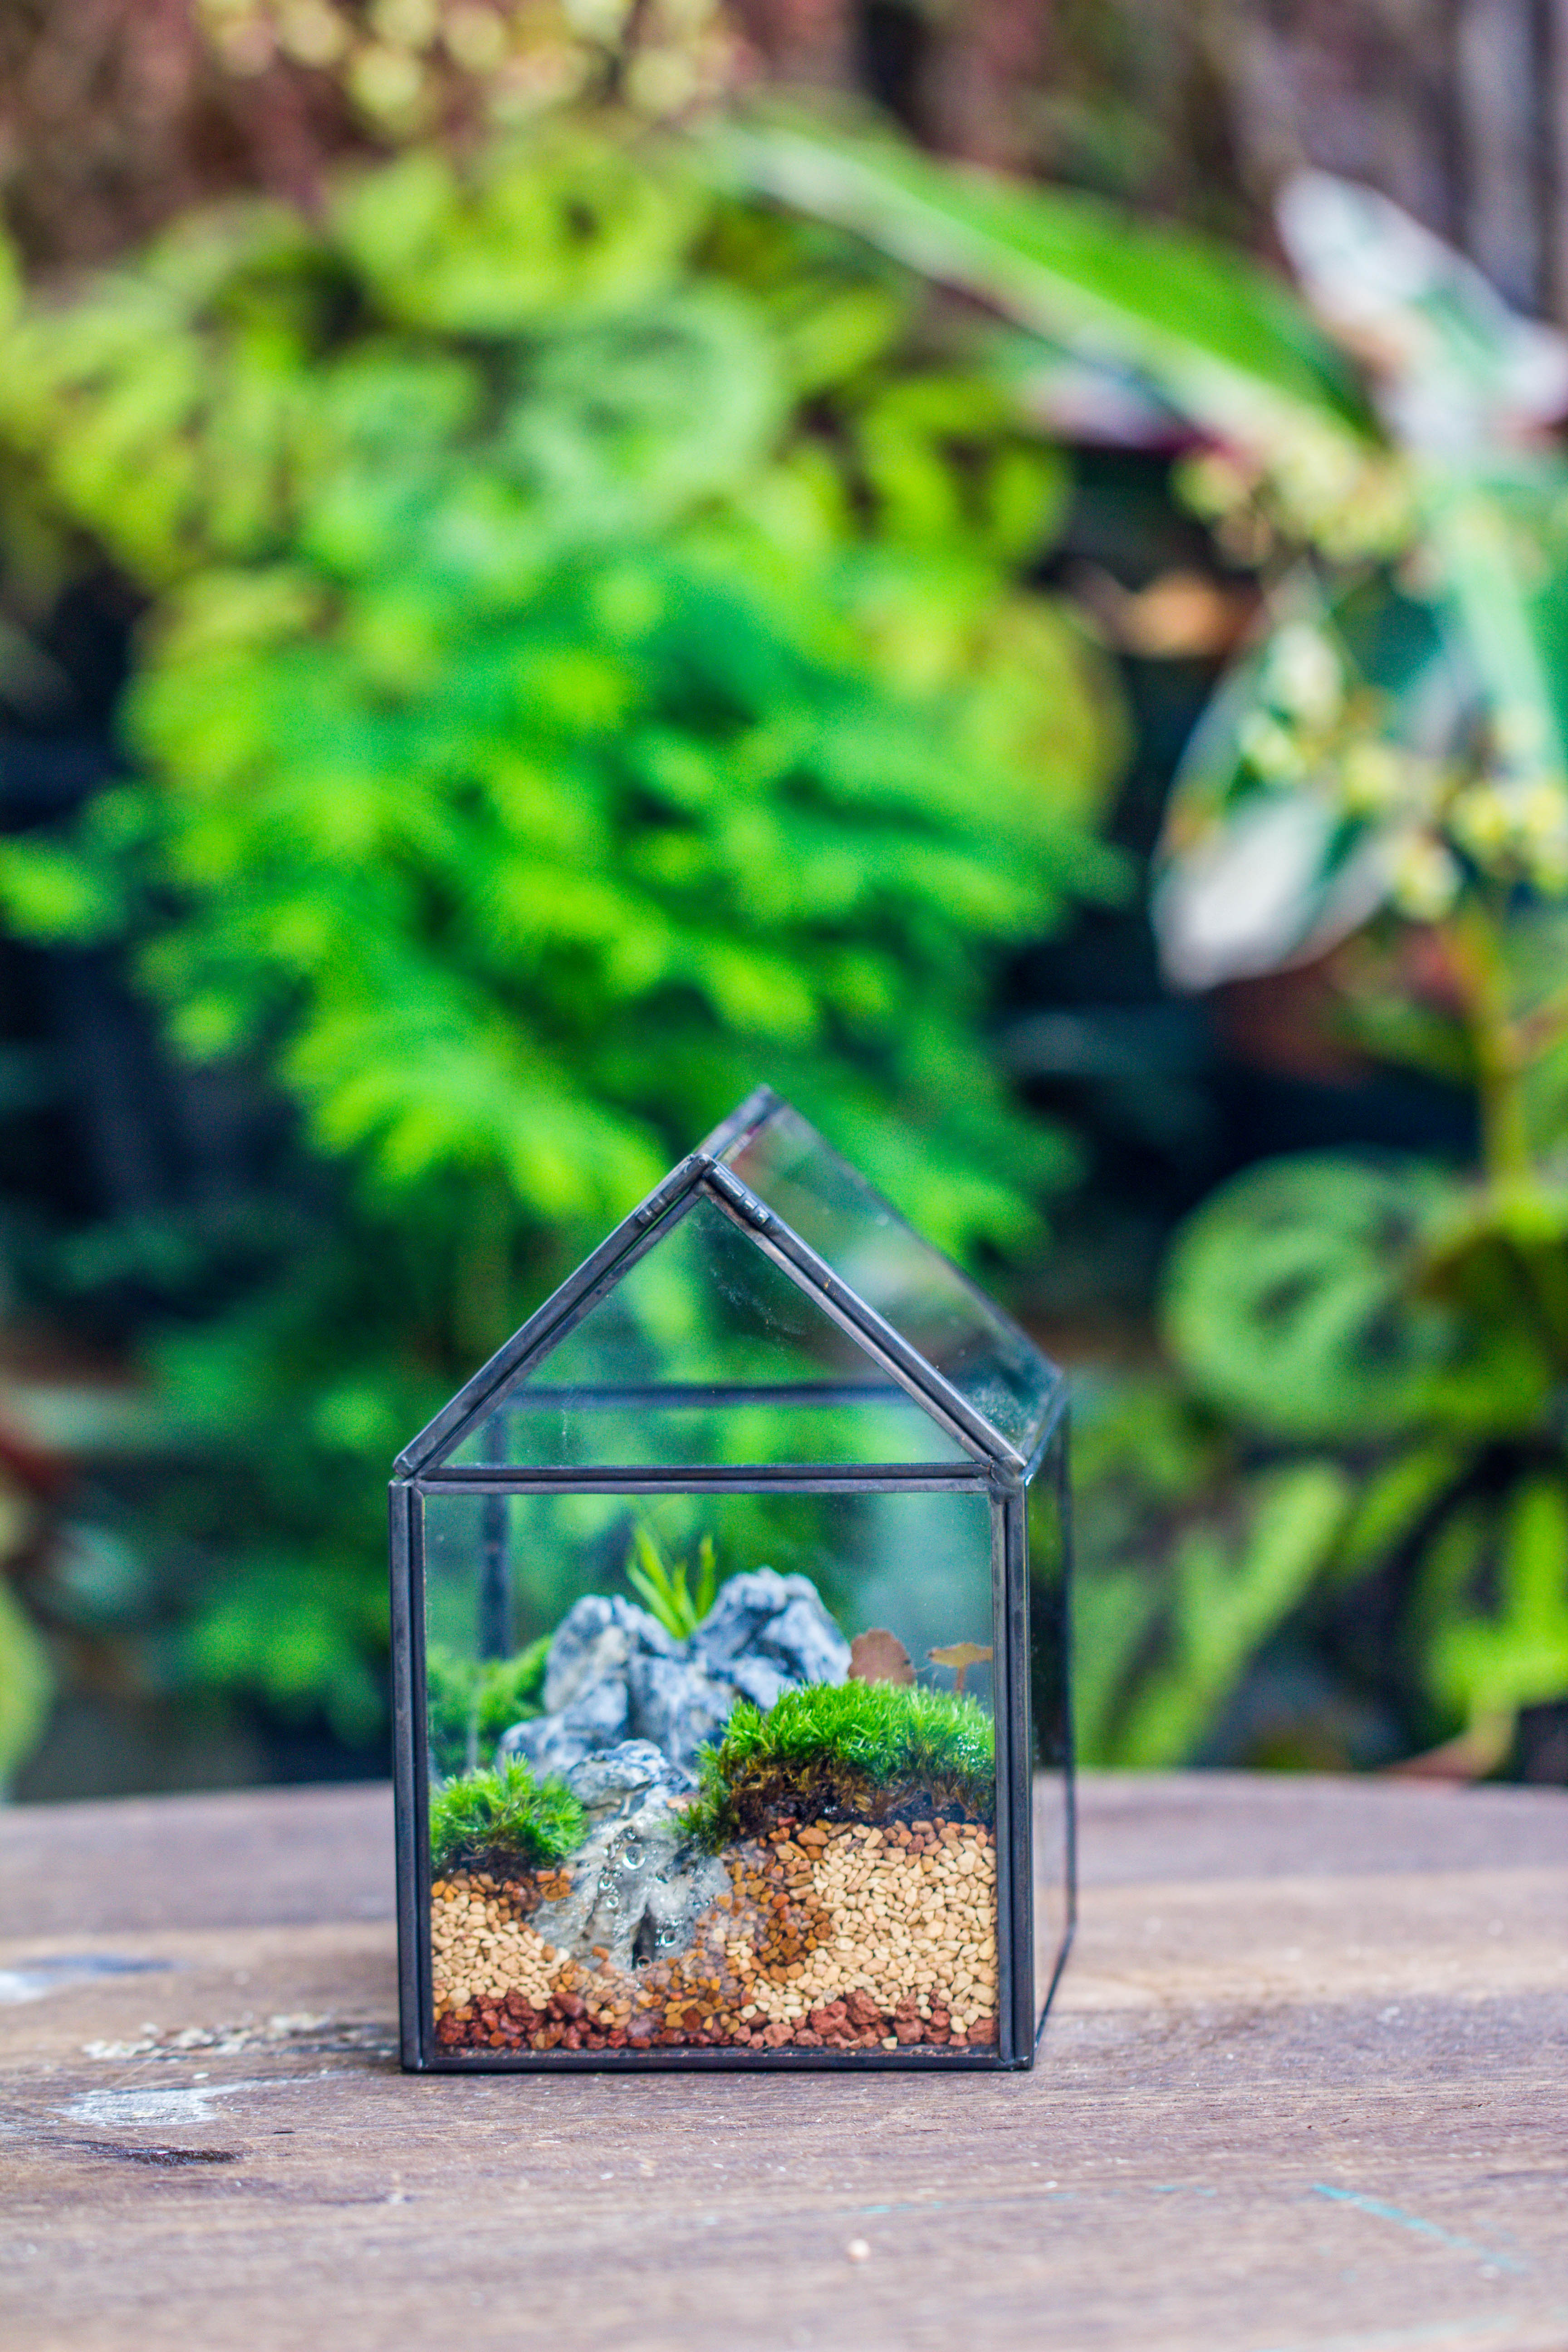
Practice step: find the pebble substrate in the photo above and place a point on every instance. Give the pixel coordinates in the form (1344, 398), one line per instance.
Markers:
(836, 1936)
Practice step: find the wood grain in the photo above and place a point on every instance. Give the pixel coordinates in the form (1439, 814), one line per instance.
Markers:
(1305, 2088)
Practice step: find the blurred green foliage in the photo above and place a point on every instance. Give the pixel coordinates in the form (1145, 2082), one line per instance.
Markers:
(1223, 339)
(1371, 1359)
(27, 1683)
(470, 1701)
(1190, 1558)
(583, 672)
(1368, 1423)
(1442, 1315)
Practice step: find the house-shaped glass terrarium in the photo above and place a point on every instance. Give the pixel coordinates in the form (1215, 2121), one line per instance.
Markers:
(730, 1711)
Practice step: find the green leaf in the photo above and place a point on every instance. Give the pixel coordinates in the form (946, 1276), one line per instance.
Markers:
(665, 1588)
(524, 235)
(1228, 1603)
(1114, 1613)
(278, 1628)
(637, 419)
(1227, 345)
(1287, 1296)
(27, 1684)
(1483, 1666)
(1497, 1260)
(1504, 606)
(45, 893)
(1396, 1502)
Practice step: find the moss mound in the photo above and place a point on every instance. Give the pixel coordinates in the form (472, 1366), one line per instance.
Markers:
(507, 1820)
(848, 1751)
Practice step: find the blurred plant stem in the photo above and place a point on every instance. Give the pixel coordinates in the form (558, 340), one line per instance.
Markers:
(1473, 939)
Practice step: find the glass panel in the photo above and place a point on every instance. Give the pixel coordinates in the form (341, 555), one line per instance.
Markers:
(705, 1352)
(1048, 1671)
(652, 1868)
(920, 1293)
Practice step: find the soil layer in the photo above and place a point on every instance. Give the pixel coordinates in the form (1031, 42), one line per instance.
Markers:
(829, 1791)
(838, 1935)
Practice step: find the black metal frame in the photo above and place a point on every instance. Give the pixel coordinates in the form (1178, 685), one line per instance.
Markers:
(994, 1468)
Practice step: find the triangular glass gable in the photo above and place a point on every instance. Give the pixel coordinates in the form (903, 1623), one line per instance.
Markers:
(938, 1311)
(702, 1350)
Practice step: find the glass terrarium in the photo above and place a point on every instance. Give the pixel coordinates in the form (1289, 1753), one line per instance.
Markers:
(732, 1723)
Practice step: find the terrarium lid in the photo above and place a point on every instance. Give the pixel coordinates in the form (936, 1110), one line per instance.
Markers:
(905, 1306)
(957, 1330)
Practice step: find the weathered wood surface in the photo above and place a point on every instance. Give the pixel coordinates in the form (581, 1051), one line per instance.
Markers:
(1306, 2088)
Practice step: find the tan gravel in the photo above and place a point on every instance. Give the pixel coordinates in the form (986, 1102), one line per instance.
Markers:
(840, 1935)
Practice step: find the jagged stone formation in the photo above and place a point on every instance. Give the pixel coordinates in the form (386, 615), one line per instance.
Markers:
(627, 1709)
(614, 1674)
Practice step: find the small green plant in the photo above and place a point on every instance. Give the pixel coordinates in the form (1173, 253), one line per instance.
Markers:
(858, 1752)
(665, 1588)
(470, 1702)
(505, 1817)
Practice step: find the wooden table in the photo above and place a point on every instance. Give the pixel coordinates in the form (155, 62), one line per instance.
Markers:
(1305, 2087)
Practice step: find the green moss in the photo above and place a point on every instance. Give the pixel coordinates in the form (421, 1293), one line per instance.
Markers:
(507, 1818)
(848, 1751)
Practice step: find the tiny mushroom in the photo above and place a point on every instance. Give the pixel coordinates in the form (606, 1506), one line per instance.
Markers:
(960, 1656)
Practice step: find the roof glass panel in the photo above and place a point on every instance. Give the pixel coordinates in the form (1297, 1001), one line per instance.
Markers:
(705, 1352)
(993, 1365)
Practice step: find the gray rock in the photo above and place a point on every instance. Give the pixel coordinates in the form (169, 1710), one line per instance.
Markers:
(678, 1707)
(594, 1641)
(598, 1719)
(755, 1679)
(777, 1619)
(675, 1898)
(609, 1786)
(638, 1883)
(614, 1675)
